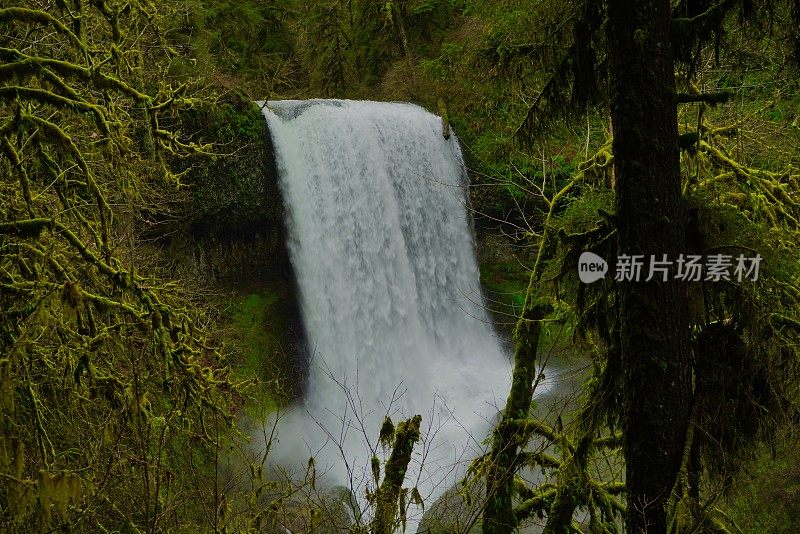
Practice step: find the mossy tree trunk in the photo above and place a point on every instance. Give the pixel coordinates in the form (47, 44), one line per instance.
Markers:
(654, 315)
(508, 438)
(388, 496)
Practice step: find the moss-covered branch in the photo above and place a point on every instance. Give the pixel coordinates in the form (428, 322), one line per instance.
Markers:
(387, 497)
(13, 93)
(19, 66)
(35, 16)
(87, 340)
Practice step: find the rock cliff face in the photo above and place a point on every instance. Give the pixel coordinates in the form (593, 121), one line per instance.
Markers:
(227, 235)
(235, 211)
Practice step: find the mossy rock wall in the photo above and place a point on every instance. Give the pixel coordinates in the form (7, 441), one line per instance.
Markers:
(233, 239)
(235, 210)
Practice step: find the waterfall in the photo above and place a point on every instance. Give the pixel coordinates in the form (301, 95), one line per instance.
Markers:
(383, 253)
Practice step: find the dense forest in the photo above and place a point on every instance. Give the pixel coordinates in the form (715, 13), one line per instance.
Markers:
(149, 319)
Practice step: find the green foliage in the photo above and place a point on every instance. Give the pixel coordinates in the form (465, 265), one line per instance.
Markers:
(766, 497)
(331, 58)
(252, 319)
(249, 40)
(506, 282)
(232, 123)
(90, 339)
(92, 335)
(384, 31)
(583, 212)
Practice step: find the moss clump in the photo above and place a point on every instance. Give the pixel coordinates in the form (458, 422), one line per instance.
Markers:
(260, 336)
(253, 318)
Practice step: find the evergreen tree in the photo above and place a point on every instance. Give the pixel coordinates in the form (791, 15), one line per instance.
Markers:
(654, 321)
(646, 327)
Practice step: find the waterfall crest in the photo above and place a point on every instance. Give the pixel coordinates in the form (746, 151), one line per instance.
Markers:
(384, 258)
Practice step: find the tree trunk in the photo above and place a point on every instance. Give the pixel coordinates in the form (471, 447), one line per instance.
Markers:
(388, 494)
(653, 315)
(508, 438)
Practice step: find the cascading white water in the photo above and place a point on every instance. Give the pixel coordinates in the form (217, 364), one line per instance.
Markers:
(383, 253)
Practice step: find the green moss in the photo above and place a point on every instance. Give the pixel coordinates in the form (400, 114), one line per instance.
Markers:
(255, 340)
(558, 335)
(767, 497)
(239, 120)
(583, 212)
(237, 190)
(258, 336)
(251, 318)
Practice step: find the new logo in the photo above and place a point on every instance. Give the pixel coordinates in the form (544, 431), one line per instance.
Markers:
(591, 267)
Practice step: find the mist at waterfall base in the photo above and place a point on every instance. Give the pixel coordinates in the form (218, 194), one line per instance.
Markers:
(383, 254)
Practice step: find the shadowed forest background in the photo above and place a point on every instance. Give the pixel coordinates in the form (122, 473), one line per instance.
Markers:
(149, 318)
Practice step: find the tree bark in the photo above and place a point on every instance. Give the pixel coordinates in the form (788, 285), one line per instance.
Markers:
(654, 315)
